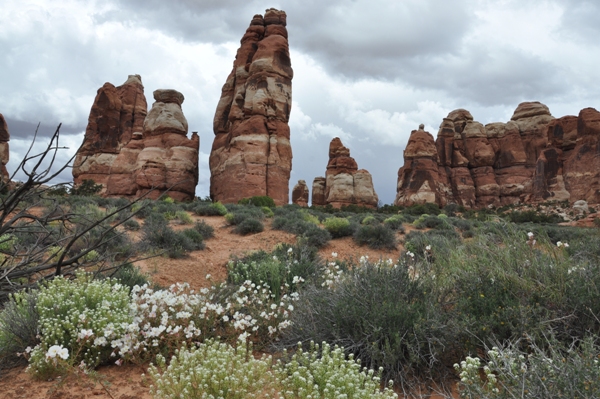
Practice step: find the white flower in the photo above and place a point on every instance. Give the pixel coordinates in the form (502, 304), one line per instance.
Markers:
(28, 349)
(530, 234)
(83, 334)
(566, 245)
(57, 350)
(208, 276)
(428, 248)
(334, 254)
(559, 244)
(290, 250)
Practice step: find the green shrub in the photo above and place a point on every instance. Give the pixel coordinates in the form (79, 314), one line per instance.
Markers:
(87, 187)
(261, 200)
(292, 222)
(432, 222)
(130, 276)
(326, 373)
(194, 236)
(267, 211)
(395, 223)
(206, 230)
(18, 327)
(378, 313)
(212, 370)
(375, 236)
(214, 209)
(368, 220)
(555, 370)
(420, 209)
(315, 236)
(74, 315)
(286, 266)
(532, 217)
(131, 225)
(339, 227)
(157, 235)
(249, 226)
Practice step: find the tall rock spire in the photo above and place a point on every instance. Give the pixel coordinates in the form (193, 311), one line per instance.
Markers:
(251, 153)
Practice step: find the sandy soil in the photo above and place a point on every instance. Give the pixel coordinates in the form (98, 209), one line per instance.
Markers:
(125, 382)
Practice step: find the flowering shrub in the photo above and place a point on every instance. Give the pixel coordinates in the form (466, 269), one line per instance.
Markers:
(75, 316)
(558, 372)
(211, 370)
(327, 374)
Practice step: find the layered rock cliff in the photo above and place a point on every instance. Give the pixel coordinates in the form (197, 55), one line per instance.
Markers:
(117, 113)
(4, 150)
(531, 158)
(131, 152)
(344, 184)
(251, 153)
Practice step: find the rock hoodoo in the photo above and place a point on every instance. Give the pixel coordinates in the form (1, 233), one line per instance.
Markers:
(344, 183)
(532, 158)
(251, 153)
(300, 193)
(131, 152)
(4, 150)
(117, 113)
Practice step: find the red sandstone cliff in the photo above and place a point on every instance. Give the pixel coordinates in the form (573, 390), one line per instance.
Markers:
(251, 153)
(532, 158)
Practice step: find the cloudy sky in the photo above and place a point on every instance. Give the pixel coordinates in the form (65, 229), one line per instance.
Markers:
(367, 71)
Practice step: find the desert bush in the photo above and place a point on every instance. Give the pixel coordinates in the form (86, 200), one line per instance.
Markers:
(526, 370)
(206, 230)
(87, 187)
(323, 372)
(75, 316)
(531, 217)
(390, 209)
(212, 370)
(182, 217)
(130, 276)
(378, 312)
(195, 237)
(375, 236)
(131, 225)
(267, 211)
(239, 214)
(315, 236)
(18, 327)
(420, 209)
(214, 209)
(369, 220)
(157, 235)
(249, 226)
(286, 266)
(395, 223)
(258, 201)
(432, 222)
(339, 227)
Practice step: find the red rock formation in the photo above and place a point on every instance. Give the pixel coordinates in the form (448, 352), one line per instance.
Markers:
(532, 158)
(300, 193)
(251, 154)
(344, 184)
(318, 192)
(131, 152)
(116, 114)
(168, 159)
(4, 151)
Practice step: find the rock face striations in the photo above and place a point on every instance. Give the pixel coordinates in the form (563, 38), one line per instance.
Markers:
(117, 113)
(532, 158)
(4, 152)
(344, 183)
(131, 153)
(251, 153)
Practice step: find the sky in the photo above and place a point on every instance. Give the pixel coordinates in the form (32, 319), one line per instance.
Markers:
(367, 71)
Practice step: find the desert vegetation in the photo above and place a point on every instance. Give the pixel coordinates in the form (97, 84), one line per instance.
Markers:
(483, 303)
